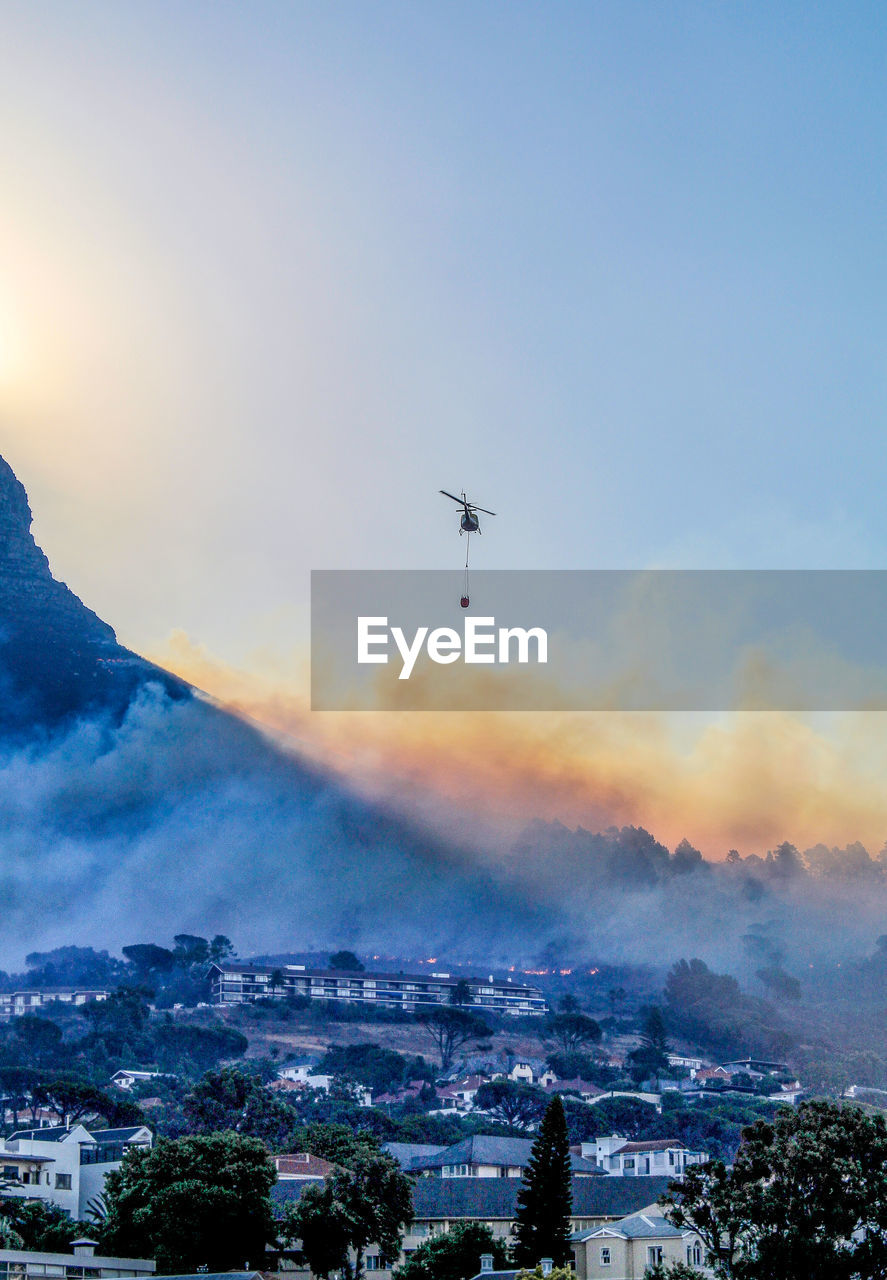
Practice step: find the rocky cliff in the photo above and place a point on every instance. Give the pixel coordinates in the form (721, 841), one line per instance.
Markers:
(58, 660)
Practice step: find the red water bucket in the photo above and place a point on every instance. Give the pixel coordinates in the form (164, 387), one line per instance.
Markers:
(464, 602)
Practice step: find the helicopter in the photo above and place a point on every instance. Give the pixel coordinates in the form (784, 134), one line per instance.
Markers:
(468, 521)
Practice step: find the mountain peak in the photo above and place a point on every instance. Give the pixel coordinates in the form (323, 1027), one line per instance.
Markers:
(58, 659)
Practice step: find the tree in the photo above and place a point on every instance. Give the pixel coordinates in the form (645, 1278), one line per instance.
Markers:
(276, 981)
(651, 1058)
(146, 957)
(70, 1098)
(336, 1142)
(229, 1099)
(345, 960)
(181, 1044)
(572, 1031)
(37, 1039)
(461, 993)
(221, 948)
(806, 1198)
(617, 997)
(569, 1004)
(370, 1202)
(516, 1105)
(450, 1028)
(453, 1254)
(192, 1202)
(37, 1225)
(119, 1025)
(371, 1065)
(545, 1200)
(190, 950)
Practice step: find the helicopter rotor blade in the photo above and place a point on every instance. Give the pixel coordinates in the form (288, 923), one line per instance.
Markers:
(461, 501)
(483, 509)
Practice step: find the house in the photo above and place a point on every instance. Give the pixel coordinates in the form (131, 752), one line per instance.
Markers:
(442, 1203)
(582, 1089)
(299, 1070)
(302, 1078)
(82, 1261)
(66, 1166)
(239, 983)
(483, 1156)
(126, 1079)
(626, 1249)
(709, 1076)
(459, 1096)
(685, 1063)
(531, 1071)
(620, 1158)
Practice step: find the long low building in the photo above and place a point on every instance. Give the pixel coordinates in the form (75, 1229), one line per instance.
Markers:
(15, 1003)
(441, 1203)
(235, 983)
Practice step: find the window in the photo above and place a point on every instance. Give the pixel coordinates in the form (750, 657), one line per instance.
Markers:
(605, 1257)
(694, 1254)
(628, 1163)
(10, 1171)
(654, 1255)
(63, 1182)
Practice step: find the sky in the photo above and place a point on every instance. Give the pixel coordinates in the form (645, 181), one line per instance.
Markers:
(273, 274)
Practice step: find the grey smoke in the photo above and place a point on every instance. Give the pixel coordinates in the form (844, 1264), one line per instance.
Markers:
(181, 818)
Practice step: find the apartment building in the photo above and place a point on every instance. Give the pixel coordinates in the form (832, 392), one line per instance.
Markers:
(237, 983)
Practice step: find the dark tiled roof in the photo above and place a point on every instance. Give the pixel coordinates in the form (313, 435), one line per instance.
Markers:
(496, 1275)
(219, 1275)
(485, 1149)
(117, 1135)
(660, 1144)
(479, 1149)
(404, 1152)
(488, 1198)
(51, 1133)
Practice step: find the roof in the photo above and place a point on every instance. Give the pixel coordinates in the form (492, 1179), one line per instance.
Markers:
(658, 1144)
(479, 1149)
(118, 1135)
(485, 1149)
(219, 1275)
(404, 1152)
(496, 1275)
(640, 1226)
(491, 1198)
(50, 1133)
(302, 1165)
(574, 1086)
(291, 971)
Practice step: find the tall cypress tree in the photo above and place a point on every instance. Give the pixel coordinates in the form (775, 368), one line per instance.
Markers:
(545, 1200)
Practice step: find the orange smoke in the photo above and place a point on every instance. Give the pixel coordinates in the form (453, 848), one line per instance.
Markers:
(748, 780)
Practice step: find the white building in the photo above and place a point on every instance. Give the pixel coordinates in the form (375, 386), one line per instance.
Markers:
(624, 1159)
(65, 1166)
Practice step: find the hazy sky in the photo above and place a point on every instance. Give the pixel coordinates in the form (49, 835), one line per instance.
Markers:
(272, 274)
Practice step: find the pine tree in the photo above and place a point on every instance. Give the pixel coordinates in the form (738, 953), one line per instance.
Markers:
(545, 1200)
